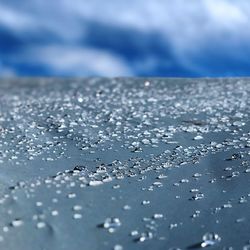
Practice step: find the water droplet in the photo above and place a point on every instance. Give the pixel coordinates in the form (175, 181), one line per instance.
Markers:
(40, 224)
(77, 208)
(198, 137)
(246, 247)
(210, 239)
(39, 203)
(127, 207)
(118, 247)
(77, 216)
(71, 195)
(54, 213)
(198, 196)
(134, 233)
(145, 236)
(111, 224)
(95, 183)
(158, 216)
(145, 202)
(17, 223)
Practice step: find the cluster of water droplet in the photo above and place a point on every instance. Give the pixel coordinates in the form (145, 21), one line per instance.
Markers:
(80, 135)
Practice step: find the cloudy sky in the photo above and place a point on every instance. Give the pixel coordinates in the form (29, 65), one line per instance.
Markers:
(125, 38)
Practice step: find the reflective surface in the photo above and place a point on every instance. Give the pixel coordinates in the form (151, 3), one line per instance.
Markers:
(124, 163)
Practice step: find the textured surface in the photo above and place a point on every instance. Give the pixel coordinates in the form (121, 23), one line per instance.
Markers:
(124, 164)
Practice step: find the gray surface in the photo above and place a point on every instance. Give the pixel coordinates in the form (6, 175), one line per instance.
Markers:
(170, 158)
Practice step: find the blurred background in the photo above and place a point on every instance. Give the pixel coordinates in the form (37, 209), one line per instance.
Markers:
(125, 38)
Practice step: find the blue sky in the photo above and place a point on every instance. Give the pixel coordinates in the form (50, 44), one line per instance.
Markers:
(125, 38)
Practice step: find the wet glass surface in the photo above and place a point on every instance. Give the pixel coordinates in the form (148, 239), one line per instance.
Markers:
(124, 164)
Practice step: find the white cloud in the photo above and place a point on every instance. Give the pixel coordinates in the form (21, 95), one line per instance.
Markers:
(6, 71)
(187, 26)
(226, 14)
(13, 19)
(77, 61)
